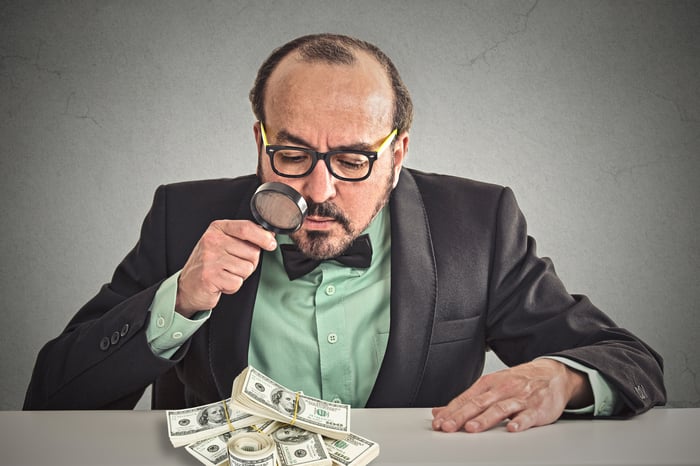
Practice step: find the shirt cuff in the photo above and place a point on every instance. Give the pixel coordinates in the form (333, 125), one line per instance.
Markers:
(605, 398)
(167, 330)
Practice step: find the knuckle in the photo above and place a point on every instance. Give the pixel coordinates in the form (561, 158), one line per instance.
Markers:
(504, 408)
(462, 399)
(479, 402)
(209, 239)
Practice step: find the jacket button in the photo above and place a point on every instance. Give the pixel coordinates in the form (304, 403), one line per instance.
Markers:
(125, 330)
(104, 343)
(115, 338)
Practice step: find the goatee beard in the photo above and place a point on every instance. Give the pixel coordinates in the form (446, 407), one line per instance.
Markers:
(317, 244)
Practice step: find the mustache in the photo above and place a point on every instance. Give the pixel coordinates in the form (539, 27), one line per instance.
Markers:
(330, 210)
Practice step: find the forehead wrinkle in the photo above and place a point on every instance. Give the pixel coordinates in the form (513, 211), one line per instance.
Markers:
(286, 136)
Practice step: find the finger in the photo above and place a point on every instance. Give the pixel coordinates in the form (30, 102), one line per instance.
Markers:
(247, 231)
(495, 414)
(523, 421)
(241, 257)
(461, 409)
(227, 273)
(467, 405)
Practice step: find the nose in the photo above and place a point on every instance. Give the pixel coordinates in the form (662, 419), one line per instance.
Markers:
(319, 185)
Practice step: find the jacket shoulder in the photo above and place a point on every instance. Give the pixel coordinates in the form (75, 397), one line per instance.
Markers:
(454, 191)
(211, 188)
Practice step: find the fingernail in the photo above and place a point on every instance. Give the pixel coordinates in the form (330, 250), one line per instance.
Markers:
(514, 426)
(473, 425)
(437, 423)
(449, 425)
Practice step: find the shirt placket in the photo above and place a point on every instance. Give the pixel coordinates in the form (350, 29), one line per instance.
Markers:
(333, 340)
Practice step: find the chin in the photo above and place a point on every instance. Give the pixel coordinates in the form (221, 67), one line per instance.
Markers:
(321, 244)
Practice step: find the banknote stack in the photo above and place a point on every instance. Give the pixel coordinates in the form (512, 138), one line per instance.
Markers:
(258, 395)
(186, 426)
(305, 431)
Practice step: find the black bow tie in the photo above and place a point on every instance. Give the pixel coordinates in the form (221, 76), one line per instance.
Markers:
(358, 255)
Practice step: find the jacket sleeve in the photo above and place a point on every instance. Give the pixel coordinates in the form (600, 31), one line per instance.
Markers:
(102, 360)
(530, 314)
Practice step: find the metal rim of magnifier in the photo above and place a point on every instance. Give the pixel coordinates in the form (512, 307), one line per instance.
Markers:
(289, 192)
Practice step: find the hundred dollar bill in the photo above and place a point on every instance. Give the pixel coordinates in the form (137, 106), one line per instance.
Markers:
(251, 449)
(296, 446)
(189, 425)
(214, 452)
(353, 450)
(259, 395)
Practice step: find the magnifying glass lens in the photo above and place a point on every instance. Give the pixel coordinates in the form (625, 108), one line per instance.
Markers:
(278, 207)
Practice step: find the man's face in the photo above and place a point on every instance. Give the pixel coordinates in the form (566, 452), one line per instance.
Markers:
(287, 402)
(326, 107)
(290, 433)
(216, 414)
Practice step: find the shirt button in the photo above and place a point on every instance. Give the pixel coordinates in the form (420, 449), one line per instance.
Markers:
(330, 290)
(336, 400)
(160, 322)
(332, 338)
(177, 335)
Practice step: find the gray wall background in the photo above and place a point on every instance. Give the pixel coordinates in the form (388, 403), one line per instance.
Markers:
(590, 111)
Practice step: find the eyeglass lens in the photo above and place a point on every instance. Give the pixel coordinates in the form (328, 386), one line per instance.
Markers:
(298, 162)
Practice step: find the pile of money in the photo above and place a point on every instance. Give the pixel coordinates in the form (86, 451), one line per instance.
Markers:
(305, 431)
(257, 394)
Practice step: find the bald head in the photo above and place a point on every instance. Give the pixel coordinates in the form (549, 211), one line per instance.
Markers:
(338, 50)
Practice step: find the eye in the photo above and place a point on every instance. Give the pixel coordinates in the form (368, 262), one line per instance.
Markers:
(292, 157)
(351, 162)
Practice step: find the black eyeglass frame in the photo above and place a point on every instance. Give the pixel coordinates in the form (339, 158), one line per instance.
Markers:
(325, 156)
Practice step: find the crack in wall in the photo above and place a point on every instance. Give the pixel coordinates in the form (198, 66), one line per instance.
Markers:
(684, 114)
(523, 19)
(84, 115)
(693, 374)
(34, 62)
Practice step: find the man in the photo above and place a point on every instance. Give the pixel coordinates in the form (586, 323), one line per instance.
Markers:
(291, 435)
(212, 416)
(443, 269)
(284, 400)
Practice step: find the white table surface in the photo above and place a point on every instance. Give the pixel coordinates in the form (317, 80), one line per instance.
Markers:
(659, 437)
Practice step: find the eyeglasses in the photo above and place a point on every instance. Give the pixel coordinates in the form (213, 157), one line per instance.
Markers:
(344, 164)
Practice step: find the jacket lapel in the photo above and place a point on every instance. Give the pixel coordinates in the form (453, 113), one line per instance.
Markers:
(413, 299)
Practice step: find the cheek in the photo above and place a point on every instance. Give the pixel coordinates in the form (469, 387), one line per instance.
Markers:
(359, 202)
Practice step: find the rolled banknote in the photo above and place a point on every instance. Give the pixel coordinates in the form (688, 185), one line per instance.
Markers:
(214, 451)
(251, 448)
(353, 450)
(296, 446)
(189, 425)
(255, 393)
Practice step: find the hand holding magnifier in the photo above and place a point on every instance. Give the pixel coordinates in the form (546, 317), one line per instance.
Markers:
(278, 207)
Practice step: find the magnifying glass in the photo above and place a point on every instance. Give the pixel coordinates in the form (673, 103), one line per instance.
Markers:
(278, 207)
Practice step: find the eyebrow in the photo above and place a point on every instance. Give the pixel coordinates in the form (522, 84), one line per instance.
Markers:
(286, 136)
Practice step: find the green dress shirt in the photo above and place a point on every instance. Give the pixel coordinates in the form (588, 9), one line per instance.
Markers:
(331, 325)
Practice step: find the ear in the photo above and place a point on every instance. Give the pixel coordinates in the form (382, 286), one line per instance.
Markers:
(258, 136)
(400, 153)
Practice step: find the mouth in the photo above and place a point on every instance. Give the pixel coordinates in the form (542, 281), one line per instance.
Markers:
(319, 223)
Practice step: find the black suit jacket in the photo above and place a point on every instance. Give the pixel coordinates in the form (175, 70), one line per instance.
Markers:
(465, 277)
